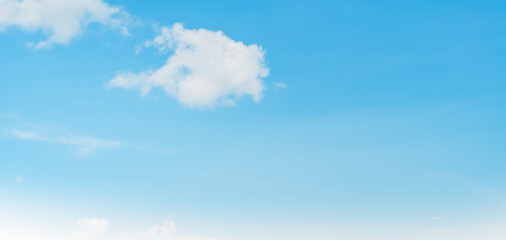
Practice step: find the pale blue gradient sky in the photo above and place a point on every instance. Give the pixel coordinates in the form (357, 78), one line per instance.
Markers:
(391, 125)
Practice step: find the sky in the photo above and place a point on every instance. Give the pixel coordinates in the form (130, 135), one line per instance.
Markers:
(248, 120)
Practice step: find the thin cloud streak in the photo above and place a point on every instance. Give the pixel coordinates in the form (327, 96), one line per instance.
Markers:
(85, 145)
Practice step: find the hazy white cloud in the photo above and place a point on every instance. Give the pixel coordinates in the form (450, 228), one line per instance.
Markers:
(165, 231)
(207, 68)
(97, 229)
(60, 20)
(102, 229)
(85, 145)
(92, 228)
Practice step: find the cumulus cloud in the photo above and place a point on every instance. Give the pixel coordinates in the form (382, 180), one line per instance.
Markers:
(85, 145)
(61, 20)
(207, 68)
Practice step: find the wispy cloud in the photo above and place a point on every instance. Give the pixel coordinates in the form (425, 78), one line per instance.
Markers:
(27, 135)
(280, 85)
(9, 115)
(19, 179)
(84, 145)
(207, 69)
(436, 219)
(13, 127)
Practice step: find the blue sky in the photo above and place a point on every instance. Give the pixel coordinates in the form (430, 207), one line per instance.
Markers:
(352, 120)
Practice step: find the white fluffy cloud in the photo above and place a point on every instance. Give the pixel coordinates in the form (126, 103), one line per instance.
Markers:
(61, 20)
(206, 69)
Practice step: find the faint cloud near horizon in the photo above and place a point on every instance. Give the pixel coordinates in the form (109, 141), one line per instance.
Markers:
(99, 228)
